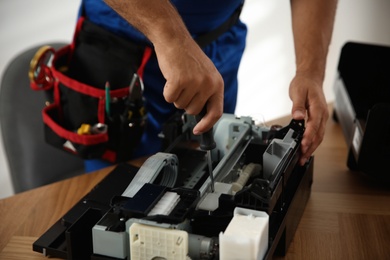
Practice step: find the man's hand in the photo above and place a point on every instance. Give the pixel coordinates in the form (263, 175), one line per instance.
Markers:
(192, 81)
(308, 99)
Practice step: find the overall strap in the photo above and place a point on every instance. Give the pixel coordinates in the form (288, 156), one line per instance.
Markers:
(207, 38)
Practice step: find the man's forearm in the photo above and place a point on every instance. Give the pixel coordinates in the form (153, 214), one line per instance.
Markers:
(312, 22)
(158, 20)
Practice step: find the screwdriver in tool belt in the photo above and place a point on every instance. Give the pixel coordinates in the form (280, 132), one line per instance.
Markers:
(207, 143)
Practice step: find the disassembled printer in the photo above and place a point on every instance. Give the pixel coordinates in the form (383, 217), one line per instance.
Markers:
(166, 210)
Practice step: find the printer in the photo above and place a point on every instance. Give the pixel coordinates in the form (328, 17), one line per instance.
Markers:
(166, 208)
(362, 107)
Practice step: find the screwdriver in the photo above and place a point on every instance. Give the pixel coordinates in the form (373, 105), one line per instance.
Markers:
(207, 143)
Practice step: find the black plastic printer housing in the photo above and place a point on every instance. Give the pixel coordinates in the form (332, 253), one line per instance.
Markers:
(362, 106)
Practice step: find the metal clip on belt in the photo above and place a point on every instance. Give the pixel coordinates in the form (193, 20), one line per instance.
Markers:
(160, 162)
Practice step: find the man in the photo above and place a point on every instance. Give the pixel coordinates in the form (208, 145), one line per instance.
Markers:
(193, 78)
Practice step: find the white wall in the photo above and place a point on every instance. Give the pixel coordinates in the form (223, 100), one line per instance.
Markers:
(267, 66)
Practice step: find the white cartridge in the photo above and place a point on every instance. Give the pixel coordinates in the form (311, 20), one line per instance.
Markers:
(246, 236)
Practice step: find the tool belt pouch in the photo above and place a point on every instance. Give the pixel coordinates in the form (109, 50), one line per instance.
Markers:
(84, 117)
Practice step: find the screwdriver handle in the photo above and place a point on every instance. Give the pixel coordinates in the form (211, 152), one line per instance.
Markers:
(207, 142)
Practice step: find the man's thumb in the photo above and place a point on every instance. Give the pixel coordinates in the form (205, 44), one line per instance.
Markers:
(298, 113)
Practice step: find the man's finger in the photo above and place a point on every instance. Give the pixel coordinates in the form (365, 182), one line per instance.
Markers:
(170, 92)
(312, 138)
(214, 112)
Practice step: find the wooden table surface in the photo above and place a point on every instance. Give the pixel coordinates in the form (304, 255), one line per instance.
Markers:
(347, 215)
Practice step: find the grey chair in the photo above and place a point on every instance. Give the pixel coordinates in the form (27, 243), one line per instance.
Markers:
(32, 162)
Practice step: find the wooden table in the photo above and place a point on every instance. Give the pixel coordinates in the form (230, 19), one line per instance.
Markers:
(347, 215)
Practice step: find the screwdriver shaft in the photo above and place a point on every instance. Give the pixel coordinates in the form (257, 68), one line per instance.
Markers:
(210, 170)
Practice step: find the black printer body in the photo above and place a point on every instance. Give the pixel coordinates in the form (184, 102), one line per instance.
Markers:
(166, 209)
(362, 107)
